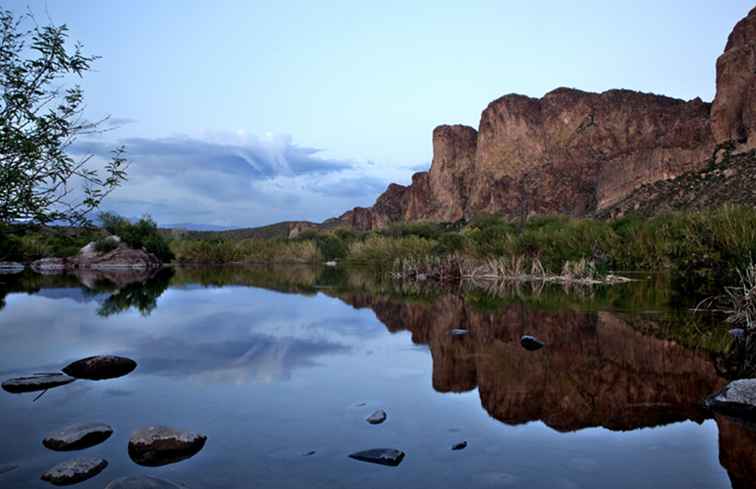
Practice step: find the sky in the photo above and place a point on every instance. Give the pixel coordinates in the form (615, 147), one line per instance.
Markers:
(244, 113)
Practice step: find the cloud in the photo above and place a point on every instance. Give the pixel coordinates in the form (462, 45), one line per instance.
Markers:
(113, 122)
(237, 179)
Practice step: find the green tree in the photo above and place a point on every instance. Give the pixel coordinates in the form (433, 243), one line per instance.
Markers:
(41, 115)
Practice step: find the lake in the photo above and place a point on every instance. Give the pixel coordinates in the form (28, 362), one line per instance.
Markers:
(281, 367)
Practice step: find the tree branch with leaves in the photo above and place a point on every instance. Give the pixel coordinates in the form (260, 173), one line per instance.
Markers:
(40, 118)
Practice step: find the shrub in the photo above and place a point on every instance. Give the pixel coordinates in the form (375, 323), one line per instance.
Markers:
(142, 234)
(105, 245)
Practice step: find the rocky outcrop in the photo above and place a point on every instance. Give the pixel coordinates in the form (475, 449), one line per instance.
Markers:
(574, 152)
(121, 258)
(734, 111)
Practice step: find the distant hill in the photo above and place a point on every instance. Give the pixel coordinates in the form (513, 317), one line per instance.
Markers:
(280, 230)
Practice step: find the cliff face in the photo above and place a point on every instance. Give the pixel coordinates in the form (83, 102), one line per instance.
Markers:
(574, 152)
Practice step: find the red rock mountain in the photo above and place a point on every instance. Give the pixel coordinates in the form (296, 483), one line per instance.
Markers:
(574, 152)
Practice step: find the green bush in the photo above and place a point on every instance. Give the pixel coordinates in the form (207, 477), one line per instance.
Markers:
(105, 245)
(142, 234)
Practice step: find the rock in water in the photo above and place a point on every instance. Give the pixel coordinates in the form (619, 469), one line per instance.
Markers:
(531, 343)
(459, 332)
(78, 436)
(383, 456)
(74, 471)
(142, 482)
(100, 367)
(9, 267)
(160, 445)
(459, 446)
(377, 417)
(36, 382)
(738, 398)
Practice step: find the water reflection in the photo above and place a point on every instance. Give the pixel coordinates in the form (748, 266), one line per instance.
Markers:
(615, 358)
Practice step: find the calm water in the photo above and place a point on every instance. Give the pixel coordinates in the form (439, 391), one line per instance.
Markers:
(272, 365)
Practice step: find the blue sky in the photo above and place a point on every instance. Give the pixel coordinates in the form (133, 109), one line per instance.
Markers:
(245, 113)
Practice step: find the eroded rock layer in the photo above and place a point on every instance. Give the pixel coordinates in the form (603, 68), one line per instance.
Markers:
(574, 152)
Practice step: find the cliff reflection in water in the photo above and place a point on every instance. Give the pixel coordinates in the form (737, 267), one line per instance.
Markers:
(618, 358)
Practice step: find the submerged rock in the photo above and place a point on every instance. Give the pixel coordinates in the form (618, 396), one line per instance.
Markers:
(531, 343)
(36, 382)
(78, 436)
(100, 367)
(377, 417)
(161, 445)
(142, 482)
(459, 446)
(383, 456)
(738, 398)
(74, 471)
(459, 332)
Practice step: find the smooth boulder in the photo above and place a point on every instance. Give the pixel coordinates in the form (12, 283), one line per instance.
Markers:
(36, 382)
(77, 436)
(531, 343)
(142, 482)
(377, 417)
(383, 456)
(160, 445)
(100, 367)
(74, 471)
(738, 398)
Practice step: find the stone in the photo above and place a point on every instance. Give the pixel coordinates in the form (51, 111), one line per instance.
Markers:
(377, 417)
(9, 267)
(382, 456)
(733, 112)
(77, 436)
(91, 247)
(459, 446)
(142, 482)
(160, 445)
(100, 367)
(459, 332)
(531, 343)
(573, 152)
(330, 263)
(36, 382)
(74, 471)
(738, 399)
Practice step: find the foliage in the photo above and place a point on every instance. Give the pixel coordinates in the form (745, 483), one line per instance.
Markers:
(105, 245)
(245, 251)
(40, 181)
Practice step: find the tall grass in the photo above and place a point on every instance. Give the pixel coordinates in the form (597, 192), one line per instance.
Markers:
(245, 251)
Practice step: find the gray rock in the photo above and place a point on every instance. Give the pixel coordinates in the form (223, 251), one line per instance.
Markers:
(100, 367)
(161, 445)
(459, 446)
(142, 482)
(383, 456)
(78, 436)
(36, 382)
(74, 471)
(4, 469)
(738, 398)
(8, 267)
(459, 332)
(531, 343)
(377, 417)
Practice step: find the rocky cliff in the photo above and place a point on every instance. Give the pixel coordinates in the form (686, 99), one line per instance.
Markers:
(574, 152)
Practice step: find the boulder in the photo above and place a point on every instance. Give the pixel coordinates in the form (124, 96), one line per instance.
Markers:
(8, 267)
(738, 398)
(377, 417)
(91, 247)
(160, 445)
(74, 471)
(382, 456)
(36, 382)
(531, 343)
(100, 367)
(77, 436)
(142, 482)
